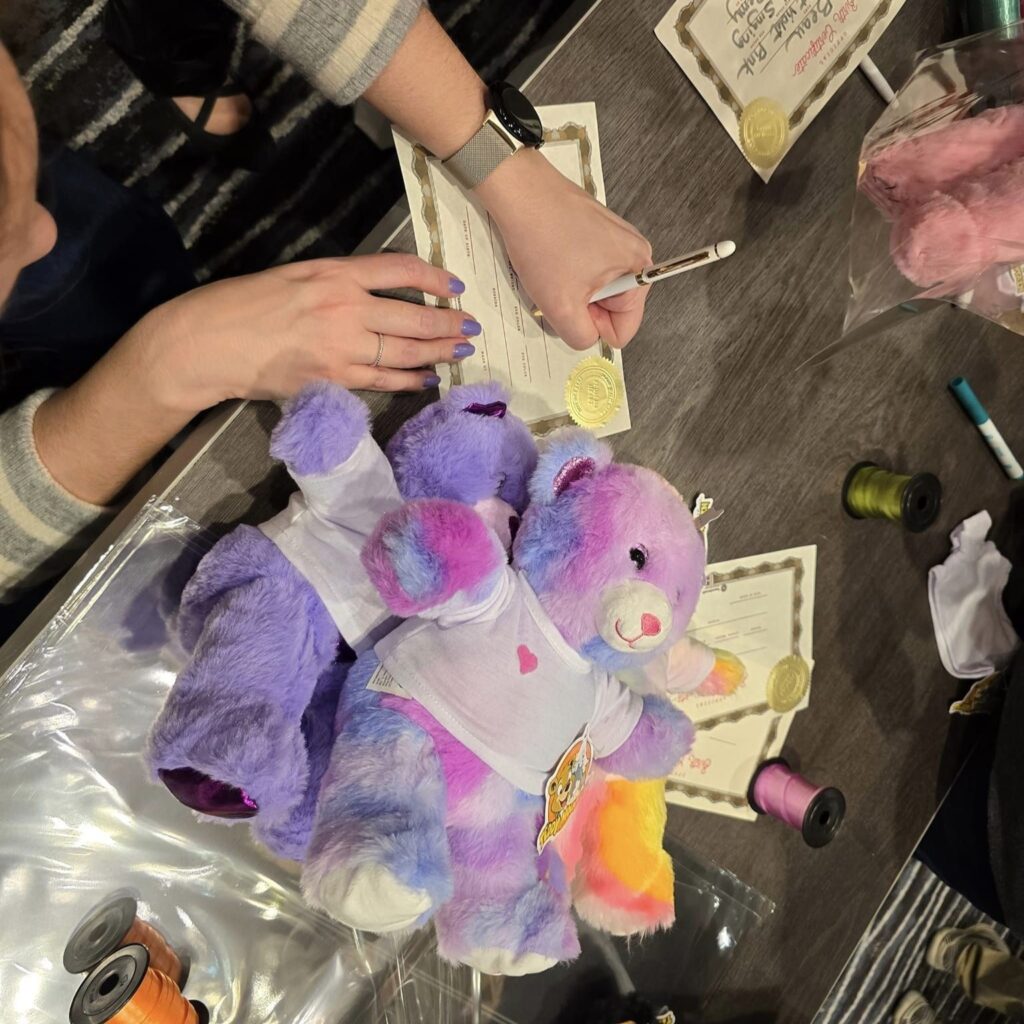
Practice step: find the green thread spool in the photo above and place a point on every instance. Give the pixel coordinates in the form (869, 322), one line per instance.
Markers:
(870, 492)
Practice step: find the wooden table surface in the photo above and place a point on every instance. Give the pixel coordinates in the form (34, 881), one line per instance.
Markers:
(718, 406)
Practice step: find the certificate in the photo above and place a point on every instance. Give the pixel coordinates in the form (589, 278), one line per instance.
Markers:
(715, 774)
(519, 350)
(766, 67)
(762, 610)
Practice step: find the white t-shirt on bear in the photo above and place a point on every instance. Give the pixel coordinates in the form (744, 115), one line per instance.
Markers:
(323, 530)
(499, 677)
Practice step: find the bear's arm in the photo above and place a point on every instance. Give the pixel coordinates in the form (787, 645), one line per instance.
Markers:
(324, 440)
(430, 551)
(661, 736)
(688, 667)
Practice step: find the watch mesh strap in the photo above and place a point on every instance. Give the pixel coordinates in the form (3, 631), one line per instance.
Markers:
(478, 157)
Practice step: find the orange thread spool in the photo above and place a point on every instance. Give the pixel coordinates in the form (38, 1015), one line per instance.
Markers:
(161, 957)
(114, 923)
(124, 989)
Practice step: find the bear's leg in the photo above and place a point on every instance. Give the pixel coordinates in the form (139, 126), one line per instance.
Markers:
(623, 879)
(288, 836)
(378, 857)
(229, 739)
(510, 913)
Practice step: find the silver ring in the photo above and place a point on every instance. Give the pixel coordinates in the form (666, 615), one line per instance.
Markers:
(380, 350)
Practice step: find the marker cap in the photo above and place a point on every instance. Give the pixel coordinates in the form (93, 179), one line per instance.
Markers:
(968, 400)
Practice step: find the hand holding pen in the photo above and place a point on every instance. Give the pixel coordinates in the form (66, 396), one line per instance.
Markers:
(661, 271)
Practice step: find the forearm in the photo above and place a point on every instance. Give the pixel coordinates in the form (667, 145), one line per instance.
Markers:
(429, 90)
(96, 435)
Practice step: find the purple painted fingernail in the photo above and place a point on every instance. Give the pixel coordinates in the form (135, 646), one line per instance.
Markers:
(463, 349)
(431, 382)
(470, 328)
(455, 286)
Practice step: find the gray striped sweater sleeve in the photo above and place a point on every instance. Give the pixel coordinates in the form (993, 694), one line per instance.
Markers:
(341, 46)
(43, 528)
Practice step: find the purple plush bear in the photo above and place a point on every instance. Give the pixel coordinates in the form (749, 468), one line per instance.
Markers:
(273, 614)
(440, 798)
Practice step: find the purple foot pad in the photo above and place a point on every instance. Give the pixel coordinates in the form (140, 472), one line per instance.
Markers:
(201, 793)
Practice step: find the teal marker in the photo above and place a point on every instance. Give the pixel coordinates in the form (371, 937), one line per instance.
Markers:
(980, 418)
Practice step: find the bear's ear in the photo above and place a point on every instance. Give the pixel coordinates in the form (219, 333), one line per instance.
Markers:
(566, 456)
(488, 398)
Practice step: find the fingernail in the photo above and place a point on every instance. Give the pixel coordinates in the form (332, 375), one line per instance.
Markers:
(463, 349)
(431, 382)
(471, 328)
(455, 286)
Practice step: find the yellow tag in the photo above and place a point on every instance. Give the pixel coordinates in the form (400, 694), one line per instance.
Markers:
(764, 132)
(563, 788)
(985, 697)
(788, 682)
(593, 392)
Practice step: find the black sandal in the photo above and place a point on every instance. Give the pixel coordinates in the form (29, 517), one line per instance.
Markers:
(251, 148)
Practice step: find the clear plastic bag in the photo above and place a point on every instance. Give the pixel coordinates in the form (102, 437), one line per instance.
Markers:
(81, 819)
(939, 210)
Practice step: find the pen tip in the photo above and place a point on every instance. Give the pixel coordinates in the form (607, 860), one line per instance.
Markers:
(723, 249)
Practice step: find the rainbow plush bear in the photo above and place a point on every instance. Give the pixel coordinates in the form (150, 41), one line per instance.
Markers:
(480, 765)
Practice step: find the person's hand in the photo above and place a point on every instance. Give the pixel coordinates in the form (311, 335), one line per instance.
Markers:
(564, 246)
(268, 334)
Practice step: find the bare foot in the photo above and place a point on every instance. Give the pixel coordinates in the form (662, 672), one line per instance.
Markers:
(230, 114)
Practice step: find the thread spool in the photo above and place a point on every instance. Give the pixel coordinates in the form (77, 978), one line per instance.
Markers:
(115, 923)
(124, 989)
(816, 812)
(870, 492)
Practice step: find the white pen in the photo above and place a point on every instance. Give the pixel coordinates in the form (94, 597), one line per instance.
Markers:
(661, 271)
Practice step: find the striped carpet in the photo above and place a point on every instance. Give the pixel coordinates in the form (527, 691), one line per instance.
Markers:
(329, 184)
(890, 957)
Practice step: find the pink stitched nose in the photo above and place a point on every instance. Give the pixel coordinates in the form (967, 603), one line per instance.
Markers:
(650, 625)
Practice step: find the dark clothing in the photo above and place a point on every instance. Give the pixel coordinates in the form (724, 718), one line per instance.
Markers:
(117, 257)
(956, 845)
(976, 842)
(1006, 800)
(174, 47)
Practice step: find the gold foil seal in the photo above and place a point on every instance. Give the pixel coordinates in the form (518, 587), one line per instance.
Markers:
(788, 683)
(764, 132)
(593, 392)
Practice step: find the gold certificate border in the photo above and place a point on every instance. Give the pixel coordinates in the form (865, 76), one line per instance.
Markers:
(719, 796)
(422, 167)
(689, 42)
(745, 572)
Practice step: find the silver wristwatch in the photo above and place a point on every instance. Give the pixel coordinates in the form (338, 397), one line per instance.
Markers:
(511, 125)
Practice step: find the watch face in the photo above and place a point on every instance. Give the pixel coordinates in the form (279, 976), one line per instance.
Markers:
(516, 113)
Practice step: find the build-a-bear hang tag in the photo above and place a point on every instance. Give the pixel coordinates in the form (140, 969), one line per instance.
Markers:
(564, 786)
(704, 514)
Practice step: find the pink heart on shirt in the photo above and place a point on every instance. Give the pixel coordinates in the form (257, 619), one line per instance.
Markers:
(527, 660)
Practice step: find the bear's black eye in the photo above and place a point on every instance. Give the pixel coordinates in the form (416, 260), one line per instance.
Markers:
(638, 555)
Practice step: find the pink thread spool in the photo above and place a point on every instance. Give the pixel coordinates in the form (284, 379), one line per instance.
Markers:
(816, 812)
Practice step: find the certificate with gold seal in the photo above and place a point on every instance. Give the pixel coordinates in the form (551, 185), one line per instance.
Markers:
(551, 384)
(760, 609)
(766, 67)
